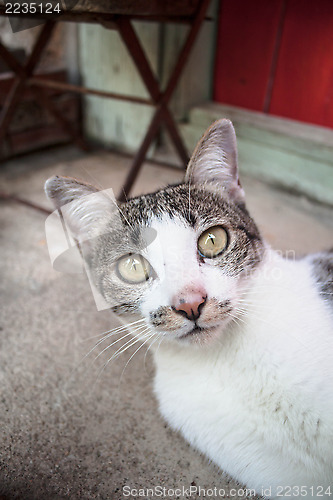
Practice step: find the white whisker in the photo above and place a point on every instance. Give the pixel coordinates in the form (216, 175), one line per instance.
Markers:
(123, 349)
(115, 330)
(149, 347)
(132, 356)
(131, 333)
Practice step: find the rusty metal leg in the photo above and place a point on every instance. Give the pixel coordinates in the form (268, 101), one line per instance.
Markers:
(141, 154)
(162, 114)
(23, 74)
(39, 46)
(10, 60)
(135, 49)
(186, 49)
(13, 197)
(9, 107)
(175, 136)
(174, 78)
(161, 100)
(139, 58)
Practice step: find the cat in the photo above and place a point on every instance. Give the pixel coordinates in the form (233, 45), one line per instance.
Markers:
(242, 337)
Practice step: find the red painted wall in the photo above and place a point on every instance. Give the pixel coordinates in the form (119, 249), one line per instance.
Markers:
(302, 83)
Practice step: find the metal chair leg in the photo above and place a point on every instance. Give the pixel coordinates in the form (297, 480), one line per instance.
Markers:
(161, 100)
(22, 74)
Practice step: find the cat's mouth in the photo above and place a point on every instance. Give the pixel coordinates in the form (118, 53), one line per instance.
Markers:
(196, 330)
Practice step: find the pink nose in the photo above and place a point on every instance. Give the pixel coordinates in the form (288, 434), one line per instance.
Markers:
(190, 305)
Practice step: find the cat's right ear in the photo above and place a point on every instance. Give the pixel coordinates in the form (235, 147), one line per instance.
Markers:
(84, 207)
(214, 161)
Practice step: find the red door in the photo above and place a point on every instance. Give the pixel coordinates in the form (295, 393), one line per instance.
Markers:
(277, 56)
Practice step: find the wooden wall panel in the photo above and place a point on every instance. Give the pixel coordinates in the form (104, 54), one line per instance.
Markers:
(303, 87)
(246, 38)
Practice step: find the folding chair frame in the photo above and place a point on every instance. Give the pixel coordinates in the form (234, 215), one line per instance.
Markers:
(25, 76)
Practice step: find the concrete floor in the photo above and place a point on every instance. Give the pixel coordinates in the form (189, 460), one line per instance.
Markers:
(68, 430)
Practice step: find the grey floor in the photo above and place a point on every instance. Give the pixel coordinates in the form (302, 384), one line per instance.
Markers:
(70, 426)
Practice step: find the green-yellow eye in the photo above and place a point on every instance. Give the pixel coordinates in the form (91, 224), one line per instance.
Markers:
(212, 242)
(133, 268)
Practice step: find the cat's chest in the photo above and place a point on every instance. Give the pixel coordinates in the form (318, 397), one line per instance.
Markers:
(232, 411)
(270, 369)
(273, 374)
(219, 387)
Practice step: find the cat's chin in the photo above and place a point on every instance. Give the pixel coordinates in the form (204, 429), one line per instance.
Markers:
(200, 335)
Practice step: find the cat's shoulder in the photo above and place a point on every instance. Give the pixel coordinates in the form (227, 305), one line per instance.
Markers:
(322, 270)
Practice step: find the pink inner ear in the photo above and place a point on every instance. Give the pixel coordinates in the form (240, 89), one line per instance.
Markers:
(214, 161)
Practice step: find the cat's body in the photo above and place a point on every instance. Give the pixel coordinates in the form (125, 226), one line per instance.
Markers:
(261, 399)
(242, 338)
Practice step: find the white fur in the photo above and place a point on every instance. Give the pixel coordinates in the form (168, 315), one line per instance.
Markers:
(173, 255)
(257, 400)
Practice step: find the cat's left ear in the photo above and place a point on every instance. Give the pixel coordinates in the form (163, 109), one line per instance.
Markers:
(84, 208)
(214, 161)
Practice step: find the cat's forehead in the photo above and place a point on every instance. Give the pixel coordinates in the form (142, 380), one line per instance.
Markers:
(171, 233)
(178, 215)
(190, 204)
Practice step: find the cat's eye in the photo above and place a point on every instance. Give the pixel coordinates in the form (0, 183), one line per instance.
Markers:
(212, 242)
(133, 268)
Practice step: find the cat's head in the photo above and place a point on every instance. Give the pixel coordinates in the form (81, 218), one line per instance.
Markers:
(181, 257)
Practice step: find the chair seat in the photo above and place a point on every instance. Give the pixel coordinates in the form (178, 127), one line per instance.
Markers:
(165, 8)
(154, 9)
